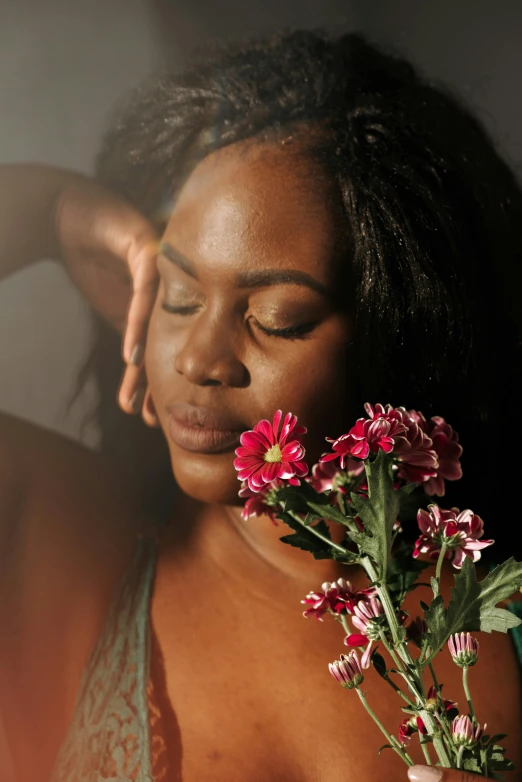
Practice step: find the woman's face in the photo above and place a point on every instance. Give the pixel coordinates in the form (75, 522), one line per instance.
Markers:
(247, 319)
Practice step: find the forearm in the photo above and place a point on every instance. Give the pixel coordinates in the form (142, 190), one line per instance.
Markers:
(28, 197)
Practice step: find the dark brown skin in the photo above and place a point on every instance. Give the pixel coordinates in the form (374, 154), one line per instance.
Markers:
(246, 674)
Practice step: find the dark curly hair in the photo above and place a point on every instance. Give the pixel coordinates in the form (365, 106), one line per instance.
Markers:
(433, 217)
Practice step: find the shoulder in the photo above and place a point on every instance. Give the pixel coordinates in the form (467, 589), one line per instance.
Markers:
(48, 483)
(65, 520)
(68, 529)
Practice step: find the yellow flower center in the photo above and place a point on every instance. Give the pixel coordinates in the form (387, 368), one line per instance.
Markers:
(274, 454)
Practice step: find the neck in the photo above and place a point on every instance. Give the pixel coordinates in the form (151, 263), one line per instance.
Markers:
(252, 550)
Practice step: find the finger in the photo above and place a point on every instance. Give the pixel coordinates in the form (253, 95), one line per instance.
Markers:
(132, 389)
(436, 774)
(144, 289)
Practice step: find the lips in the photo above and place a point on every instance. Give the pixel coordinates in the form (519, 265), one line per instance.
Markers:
(202, 429)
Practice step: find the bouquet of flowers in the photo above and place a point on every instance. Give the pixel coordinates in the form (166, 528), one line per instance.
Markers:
(367, 483)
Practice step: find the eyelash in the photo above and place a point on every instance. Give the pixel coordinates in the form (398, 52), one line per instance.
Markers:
(291, 332)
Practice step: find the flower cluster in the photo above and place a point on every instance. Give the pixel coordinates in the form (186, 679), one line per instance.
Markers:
(426, 452)
(458, 531)
(362, 489)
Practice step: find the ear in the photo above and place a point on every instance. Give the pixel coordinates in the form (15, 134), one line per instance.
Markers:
(148, 411)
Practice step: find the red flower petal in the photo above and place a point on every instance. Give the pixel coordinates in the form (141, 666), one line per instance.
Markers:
(356, 639)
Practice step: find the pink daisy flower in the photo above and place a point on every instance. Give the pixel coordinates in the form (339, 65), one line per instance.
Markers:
(465, 733)
(409, 726)
(267, 454)
(381, 431)
(460, 530)
(327, 476)
(347, 671)
(261, 503)
(464, 649)
(446, 446)
(364, 615)
(415, 453)
(337, 596)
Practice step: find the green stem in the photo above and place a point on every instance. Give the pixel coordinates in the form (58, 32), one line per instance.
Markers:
(391, 739)
(406, 665)
(318, 534)
(344, 621)
(426, 754)
(440, 561)
(435, 680)
(441, 717)
(391, 651)
(459, 757)
(384, 598)
(442, 720)
(438, 741)
(468, 694)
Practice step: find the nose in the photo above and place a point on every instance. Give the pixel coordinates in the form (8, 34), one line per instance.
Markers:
(209, 354)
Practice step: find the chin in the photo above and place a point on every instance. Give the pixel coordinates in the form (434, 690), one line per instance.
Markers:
(209, 478)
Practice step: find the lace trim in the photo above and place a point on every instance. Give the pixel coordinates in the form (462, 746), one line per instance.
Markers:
(110, 736)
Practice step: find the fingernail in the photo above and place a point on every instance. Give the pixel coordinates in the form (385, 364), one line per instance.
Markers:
(424, 774)
(137, 354)
(137, 400)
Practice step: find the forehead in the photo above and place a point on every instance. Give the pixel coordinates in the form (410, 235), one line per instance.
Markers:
(251, 204)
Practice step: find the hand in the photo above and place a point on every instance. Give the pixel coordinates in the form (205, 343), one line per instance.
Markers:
(436, 774)
(109, 250)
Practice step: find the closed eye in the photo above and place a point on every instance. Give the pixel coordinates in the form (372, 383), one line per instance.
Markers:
(290, 332)
(188, 310)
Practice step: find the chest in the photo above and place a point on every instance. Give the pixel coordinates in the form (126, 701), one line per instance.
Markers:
(248, 680)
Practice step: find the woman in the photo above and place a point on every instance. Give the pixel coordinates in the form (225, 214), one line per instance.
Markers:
(332, 231)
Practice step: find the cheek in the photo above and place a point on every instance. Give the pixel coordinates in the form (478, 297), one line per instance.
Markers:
(159, 354)
(313, 382)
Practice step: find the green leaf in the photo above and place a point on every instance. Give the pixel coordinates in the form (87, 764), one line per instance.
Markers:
(349, 558)
(403, 572)
(378, 512)
(379, 664)
(329, 512)
(472, 764)
(305, 539)
(384, 746)
(496, 737)
(472, 605)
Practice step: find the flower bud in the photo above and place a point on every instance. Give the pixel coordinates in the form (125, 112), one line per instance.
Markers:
(464, 649)
(347, 671)
(465, 733)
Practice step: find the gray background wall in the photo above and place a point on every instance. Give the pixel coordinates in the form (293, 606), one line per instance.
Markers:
(63, 64)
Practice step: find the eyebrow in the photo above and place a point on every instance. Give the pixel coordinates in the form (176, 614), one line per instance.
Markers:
(256, 278)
